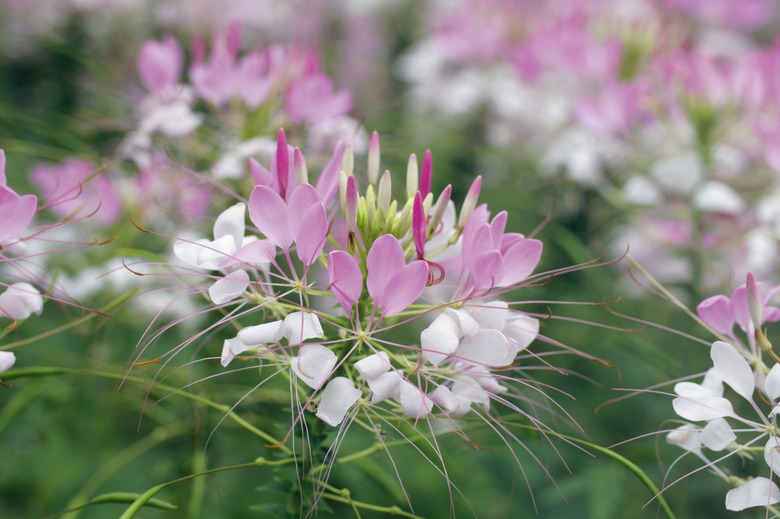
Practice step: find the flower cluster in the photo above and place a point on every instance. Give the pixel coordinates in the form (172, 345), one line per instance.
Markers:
(720, 424)
(667, 109)
(333, 273)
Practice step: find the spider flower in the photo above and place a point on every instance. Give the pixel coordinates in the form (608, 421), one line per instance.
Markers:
(377, 309)
(728, 425)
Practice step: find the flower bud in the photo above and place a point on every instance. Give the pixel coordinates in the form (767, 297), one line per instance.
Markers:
(412, 176)
(373, 159)
(426, 174)
(299, 164)
(349, 159)
(470, 203)
(385, 195)
(438, 210)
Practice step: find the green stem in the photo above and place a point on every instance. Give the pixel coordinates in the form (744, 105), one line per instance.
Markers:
(46, 370)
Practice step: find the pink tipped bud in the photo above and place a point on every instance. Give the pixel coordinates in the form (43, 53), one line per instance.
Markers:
(348, 164)
(351, 201)
(419, 225)
(233, 38)
(373, 159)
(412, 176)
(426, 173)
(754, 303)
(439, 209)
(470, 203)
(198, 48)
(282, 162)
(299, 164)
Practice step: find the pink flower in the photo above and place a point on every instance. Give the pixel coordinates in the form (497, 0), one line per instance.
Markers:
(77, 187)
(311, 99)
(160, 64)
(16, 212)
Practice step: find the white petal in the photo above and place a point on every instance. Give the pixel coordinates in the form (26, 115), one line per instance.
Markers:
(414, 402)
(314, 364)
(440, 339)
(772, 383)
(756, 492)
(229, 287)
(233, 347)
(211, 254)
(299, 326)
(713, 381)
(733, 369)
(231, 223)
(373, 366)
(467, 325)
(7, 360)
(261, 334)
(20, 300)
(772, 454)
(717, 435)
(338, 396)
(385, 386)
(489, 347)
(522, 328)
(449, 402)
(686, 436)
(188, 251)
(717, 197)
(708, 408)
(470, 391)
(490, 315)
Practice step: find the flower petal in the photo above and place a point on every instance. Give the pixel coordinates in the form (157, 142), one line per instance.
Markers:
(488, 347)
(311, 234)
(373, 366)
(733, 369)
(384, 260)
(16, 215)
(772, 383)
(686, 437)
(231, 223)
(345, 278)
(269, 213)
(403, 288)
(300, 326)
(758, 491)
(229, 287)
(20, 300)
(414, 402)
(520, 260)
(385, 386)
(717, 435)
(440, 339)
(314, 364)
(257, 252)
(716, 312)
(254, 336)
(338, 396)
(7, 358)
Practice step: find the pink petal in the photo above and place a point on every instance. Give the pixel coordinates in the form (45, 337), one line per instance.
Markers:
(282, 163)
(715, 311)
(497, 228)
(311, 234)
(328, 183)
(385, 259)
(229, 287)
(739, 307)
(16, 215)
(261, 176)
(299, 200)
(520, 260)
(268, 212)
(345, 278)
(338, 396)
(488, 270)
(403, 288)
(314, 364)
(159, 63)
(419, 226)
(3, 181)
